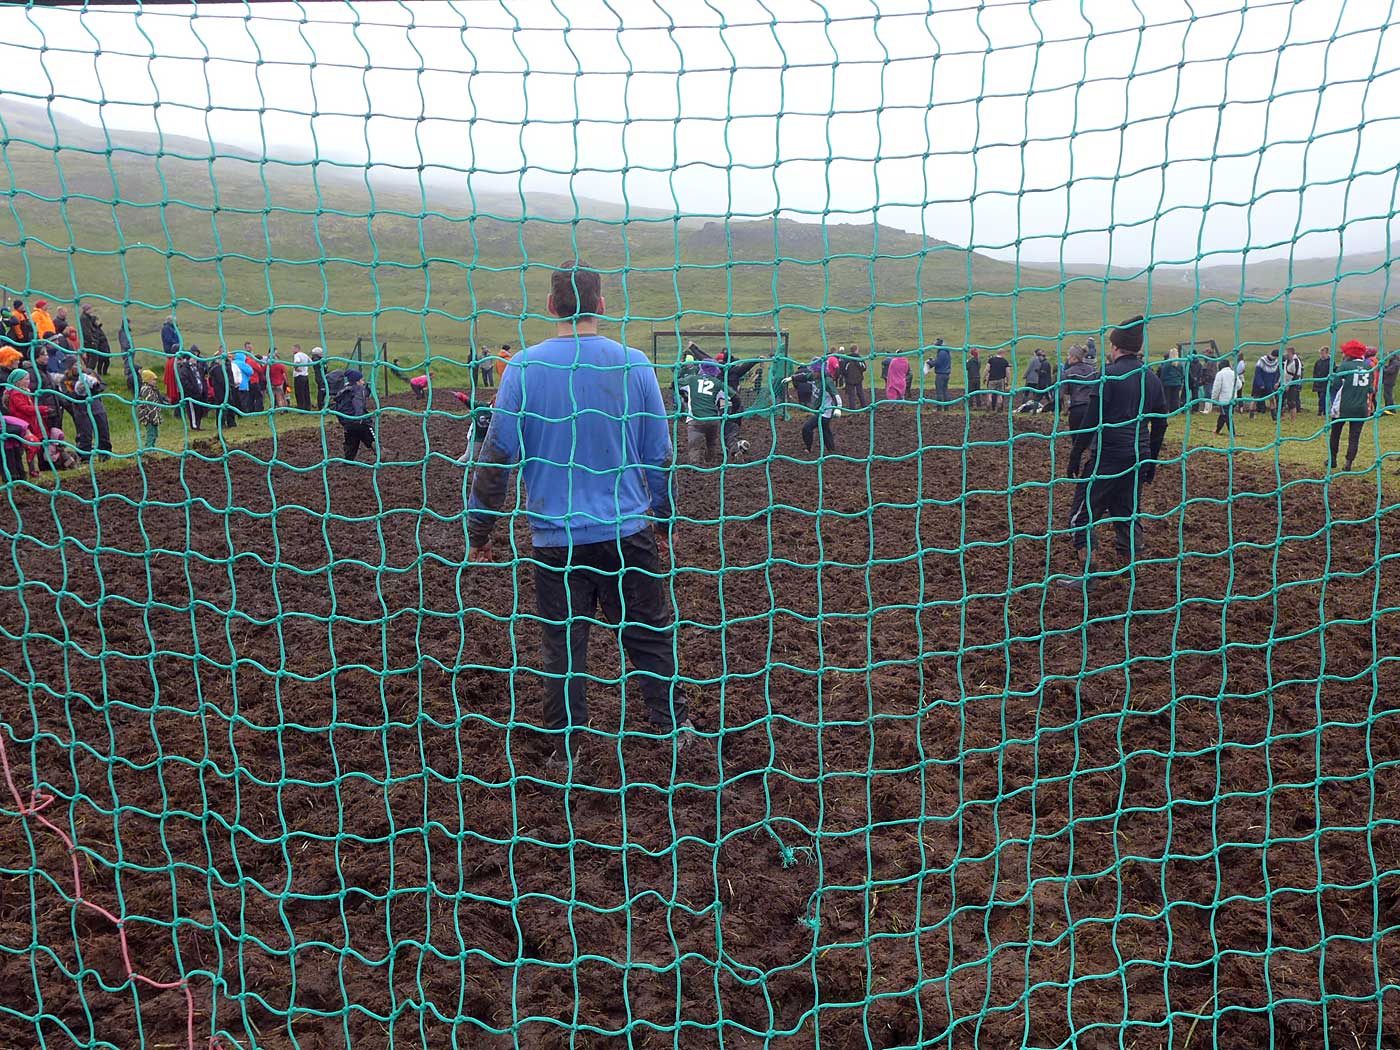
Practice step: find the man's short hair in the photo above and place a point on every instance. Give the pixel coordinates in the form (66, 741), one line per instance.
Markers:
(575, 289)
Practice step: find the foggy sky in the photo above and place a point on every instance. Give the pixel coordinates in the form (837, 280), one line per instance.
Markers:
(1189, 130)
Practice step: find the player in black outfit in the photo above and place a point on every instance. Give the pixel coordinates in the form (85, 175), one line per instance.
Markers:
(1128, 413)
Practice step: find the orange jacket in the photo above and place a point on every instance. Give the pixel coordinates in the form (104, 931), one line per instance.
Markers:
(502, 357)
(43, 323)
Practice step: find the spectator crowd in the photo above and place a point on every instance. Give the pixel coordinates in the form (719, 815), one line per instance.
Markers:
(54, 370)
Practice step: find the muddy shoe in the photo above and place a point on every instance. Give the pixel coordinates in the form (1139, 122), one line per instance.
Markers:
(688, 738)
(1087, 583)
(560, 763)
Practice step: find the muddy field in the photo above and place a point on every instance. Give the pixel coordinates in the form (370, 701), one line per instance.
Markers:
(948, 805)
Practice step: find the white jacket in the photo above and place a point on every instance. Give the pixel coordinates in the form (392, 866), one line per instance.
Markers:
(1227, 385)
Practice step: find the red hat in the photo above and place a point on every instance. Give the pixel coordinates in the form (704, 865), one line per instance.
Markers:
(1354, 349)
(42, 304)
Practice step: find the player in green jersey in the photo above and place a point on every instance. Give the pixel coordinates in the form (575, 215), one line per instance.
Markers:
(703, 402)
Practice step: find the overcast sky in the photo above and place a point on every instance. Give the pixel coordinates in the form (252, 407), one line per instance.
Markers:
(1186, 128)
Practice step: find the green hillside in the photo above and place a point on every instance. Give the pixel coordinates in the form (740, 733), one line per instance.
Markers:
(339, 253)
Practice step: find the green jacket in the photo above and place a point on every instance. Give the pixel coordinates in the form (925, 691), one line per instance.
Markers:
(1351, 386)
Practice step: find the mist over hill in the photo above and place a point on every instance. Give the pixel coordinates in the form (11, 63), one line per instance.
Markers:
(429, 260)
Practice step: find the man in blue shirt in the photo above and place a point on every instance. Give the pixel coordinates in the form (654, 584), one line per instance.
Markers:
(583, 417)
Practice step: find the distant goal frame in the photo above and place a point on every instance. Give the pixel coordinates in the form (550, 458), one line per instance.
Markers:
(780, 337)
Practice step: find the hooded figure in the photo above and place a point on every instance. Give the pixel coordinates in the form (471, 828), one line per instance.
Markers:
(897, 379)
(169, 336)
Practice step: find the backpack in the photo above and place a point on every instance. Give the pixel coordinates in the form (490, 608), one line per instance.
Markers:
(335, 383)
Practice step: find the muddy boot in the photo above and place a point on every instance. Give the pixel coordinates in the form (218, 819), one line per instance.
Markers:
(1084, 582)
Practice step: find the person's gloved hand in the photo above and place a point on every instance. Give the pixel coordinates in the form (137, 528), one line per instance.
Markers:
(1147, 473)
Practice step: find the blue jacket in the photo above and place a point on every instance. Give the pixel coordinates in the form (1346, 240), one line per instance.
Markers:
(169, 338)
(943, 362)
(245, 370)
(584, 418)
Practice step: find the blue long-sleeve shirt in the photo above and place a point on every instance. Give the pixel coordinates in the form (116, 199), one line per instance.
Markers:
(583, 417)
(943, 362)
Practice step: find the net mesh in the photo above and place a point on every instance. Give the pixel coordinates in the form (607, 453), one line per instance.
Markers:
(275, 766)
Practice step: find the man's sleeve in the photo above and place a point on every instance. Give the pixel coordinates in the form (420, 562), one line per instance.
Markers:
(737, 372)
(655, 448)
(499, 452)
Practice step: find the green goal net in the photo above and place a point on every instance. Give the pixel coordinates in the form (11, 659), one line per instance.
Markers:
(966, 664)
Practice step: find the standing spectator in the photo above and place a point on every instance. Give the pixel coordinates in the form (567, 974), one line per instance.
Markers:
(1128, 409)
(1208, 368)
(486, 368)
(192, 389)
(854, 375)
(502, 359)
(60, 357)
(1196, 381)
(83, 392)
(352, 406)
(1223, 392)
(148, 404)
(1129, 412)
(594, 448)
(14, 435)
(1352, 401)
(1091, 352)
(1078, 386)
(1293, 382)
(277, 376)
(318, 366)
(20, 329)
(45, 390)
(43, 323)
(257, 373)
(20, 404)
(1388, 375)
(128, 355)
(998, 377)
(242, 374)
(301, 377)
(95, 339)
(172, 377)
(973, 364)
(1173, 378)
(217, 387)
(896, 378)
(1321, 370)
(1265, 388)
(1038, 381)
(169, 336)
(942, 370)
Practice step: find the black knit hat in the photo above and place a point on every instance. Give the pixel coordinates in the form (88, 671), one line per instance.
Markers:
(1128, 335)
